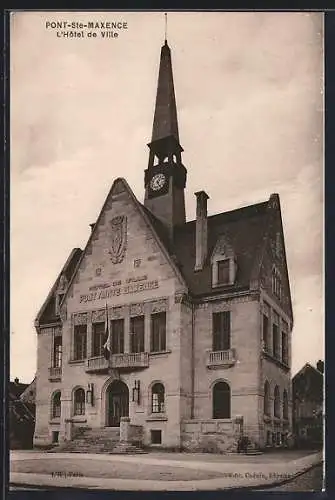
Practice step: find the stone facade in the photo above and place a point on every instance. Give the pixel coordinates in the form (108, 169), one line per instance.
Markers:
(187, 368)
(145, 260)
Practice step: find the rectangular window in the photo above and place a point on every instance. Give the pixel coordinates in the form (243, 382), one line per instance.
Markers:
(158, 332)
(117, 333)
(223, 271)
(284, 343)
(80, 342)
(275, 336)
(137, 334)
(57, 352)
(98, 338)
(156, 437)
(221, 331)
(55, 437)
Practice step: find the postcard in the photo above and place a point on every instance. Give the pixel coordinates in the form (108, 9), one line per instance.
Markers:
(167, 303)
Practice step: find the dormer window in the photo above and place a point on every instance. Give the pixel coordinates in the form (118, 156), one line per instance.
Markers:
(223, 272)
(223, 262)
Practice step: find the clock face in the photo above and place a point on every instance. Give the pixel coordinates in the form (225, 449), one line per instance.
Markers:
(157, 182)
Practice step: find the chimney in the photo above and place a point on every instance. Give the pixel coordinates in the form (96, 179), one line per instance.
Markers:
(201, 230)
(16, 380)
(320, 366)
(92, 226)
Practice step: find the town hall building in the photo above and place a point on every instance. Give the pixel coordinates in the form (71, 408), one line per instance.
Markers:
(167, 332)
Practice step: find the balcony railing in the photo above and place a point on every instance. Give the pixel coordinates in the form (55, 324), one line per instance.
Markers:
(55, 373)
(129, 361)
(124, 361)
(97, 364)
(218, 359)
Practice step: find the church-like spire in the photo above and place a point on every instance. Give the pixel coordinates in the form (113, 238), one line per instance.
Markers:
(165, 119)
(165, 177)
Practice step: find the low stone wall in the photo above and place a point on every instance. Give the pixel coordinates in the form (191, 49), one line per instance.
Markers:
(130, 433)
(211, 436)
(135, 433)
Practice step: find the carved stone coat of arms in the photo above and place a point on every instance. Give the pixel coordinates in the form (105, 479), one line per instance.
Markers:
(118, 234)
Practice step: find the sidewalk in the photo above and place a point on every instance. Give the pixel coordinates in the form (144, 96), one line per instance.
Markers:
(223, 474)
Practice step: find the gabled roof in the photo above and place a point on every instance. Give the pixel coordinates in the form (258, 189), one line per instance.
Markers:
(307, 368)
(274, 212)
(15, 389)
(157, 231)
(244, 228)
(29, 394)
(47, 313)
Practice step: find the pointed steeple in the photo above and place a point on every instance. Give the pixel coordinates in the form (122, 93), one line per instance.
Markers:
(165, 177)
(165, 119)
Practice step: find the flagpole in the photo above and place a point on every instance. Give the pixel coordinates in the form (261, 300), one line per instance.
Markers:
(108, 336)
(107, 345)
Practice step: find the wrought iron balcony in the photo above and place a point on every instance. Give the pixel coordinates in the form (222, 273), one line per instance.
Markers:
(130, 361)
(97, 364)
(218, 359)
(55, 373)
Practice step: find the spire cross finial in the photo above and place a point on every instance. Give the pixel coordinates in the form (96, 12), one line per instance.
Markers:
(165, 27)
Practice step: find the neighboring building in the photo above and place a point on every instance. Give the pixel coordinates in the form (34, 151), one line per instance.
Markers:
(199, 313)
(307, 388)
(28, 396)
(21, 415)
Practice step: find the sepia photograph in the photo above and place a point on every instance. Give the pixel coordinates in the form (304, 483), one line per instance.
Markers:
(167, 251)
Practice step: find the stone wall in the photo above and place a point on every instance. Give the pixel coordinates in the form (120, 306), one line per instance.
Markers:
(211, 436)
(243, 376)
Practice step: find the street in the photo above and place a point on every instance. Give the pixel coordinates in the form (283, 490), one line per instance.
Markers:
(173, 472)
(309, 481)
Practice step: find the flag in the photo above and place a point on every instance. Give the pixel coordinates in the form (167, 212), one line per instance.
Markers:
(107, 344)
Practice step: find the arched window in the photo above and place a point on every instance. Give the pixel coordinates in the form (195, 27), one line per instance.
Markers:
(79, 402)
(276, 408)
(267, 398)
(158, 396)
(56, 405)
(285, 404)
(221, 400)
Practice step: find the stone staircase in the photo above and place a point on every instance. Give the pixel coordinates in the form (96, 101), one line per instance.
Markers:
(103, 440)
(251, 449)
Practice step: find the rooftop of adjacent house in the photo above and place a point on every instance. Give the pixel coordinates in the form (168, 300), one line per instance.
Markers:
(308, 368)
(29, 394)
(16, 388)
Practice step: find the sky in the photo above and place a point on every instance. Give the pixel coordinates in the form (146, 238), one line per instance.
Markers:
(249, 92)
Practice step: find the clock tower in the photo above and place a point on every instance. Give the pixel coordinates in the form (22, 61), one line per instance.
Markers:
(165, 177)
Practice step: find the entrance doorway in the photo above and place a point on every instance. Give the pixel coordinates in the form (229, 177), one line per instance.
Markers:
(117, 403)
